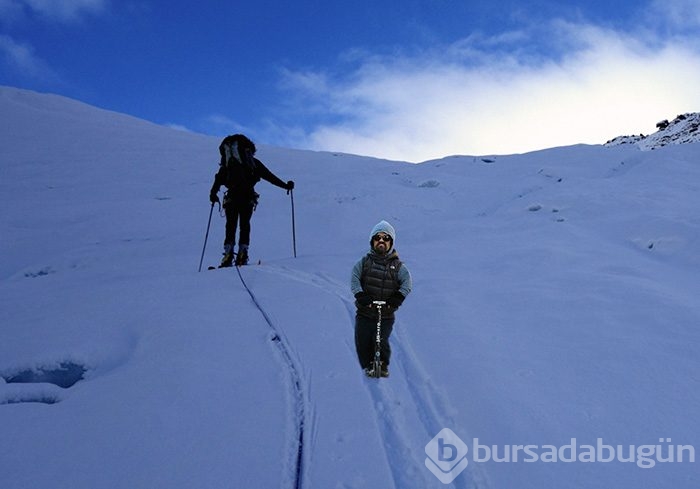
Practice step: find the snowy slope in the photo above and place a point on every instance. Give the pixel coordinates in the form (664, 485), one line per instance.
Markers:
(555, 297)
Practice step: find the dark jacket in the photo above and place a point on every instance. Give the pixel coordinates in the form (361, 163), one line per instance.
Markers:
(382, 278)
(240, 179)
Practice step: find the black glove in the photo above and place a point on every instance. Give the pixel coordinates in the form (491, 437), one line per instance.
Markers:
(290, 185)
(395, 300)
(363, 299)
(213, 198)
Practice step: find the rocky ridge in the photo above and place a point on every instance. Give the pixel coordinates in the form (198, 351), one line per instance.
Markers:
(681, 130)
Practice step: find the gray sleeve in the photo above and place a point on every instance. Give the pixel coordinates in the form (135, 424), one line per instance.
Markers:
(405, 281)
(355, 285)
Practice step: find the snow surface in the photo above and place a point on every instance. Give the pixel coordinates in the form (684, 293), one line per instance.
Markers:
(555, 297)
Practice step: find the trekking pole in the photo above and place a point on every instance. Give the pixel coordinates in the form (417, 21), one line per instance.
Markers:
(377, 363)
(206, 237)
(294, 231)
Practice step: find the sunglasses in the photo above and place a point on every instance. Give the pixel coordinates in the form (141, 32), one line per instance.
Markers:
(382, 237)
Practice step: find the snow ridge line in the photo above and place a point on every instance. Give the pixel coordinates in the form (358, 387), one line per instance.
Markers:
(297, 384)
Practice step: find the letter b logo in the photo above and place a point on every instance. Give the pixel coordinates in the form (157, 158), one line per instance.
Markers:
(447, 452)
(446, 456)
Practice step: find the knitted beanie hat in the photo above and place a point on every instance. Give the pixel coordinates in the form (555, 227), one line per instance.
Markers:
(383, 227)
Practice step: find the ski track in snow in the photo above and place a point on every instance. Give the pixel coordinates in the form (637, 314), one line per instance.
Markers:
(302, 405)
(407, 398)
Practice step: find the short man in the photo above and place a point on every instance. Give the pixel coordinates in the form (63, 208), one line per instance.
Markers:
(378, 276)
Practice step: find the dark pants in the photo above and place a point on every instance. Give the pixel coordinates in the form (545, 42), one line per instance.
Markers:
(235, 210)
(365, 339)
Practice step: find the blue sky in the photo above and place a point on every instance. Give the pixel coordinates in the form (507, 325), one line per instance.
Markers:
(401, 79)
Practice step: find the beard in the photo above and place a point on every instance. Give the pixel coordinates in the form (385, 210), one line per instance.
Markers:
(381, 248)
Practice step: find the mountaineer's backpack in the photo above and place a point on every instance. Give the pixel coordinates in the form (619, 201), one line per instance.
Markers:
(237, 150)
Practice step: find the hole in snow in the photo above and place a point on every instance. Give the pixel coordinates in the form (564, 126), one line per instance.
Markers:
(429, 184)
(42, 399)
(40, 273)
(66, 375)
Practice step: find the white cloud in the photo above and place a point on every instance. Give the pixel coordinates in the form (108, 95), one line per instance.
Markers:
(67, 10)
(10, 10)
(177, 127)
(504, 94)
(55, 10)
(22, 58)
(676, 13)
(221, 125)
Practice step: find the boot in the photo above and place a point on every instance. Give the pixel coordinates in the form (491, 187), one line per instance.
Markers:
(227, 260)
(385, 370)
(242, 256)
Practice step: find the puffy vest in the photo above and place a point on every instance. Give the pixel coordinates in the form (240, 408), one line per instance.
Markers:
(380, 276)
